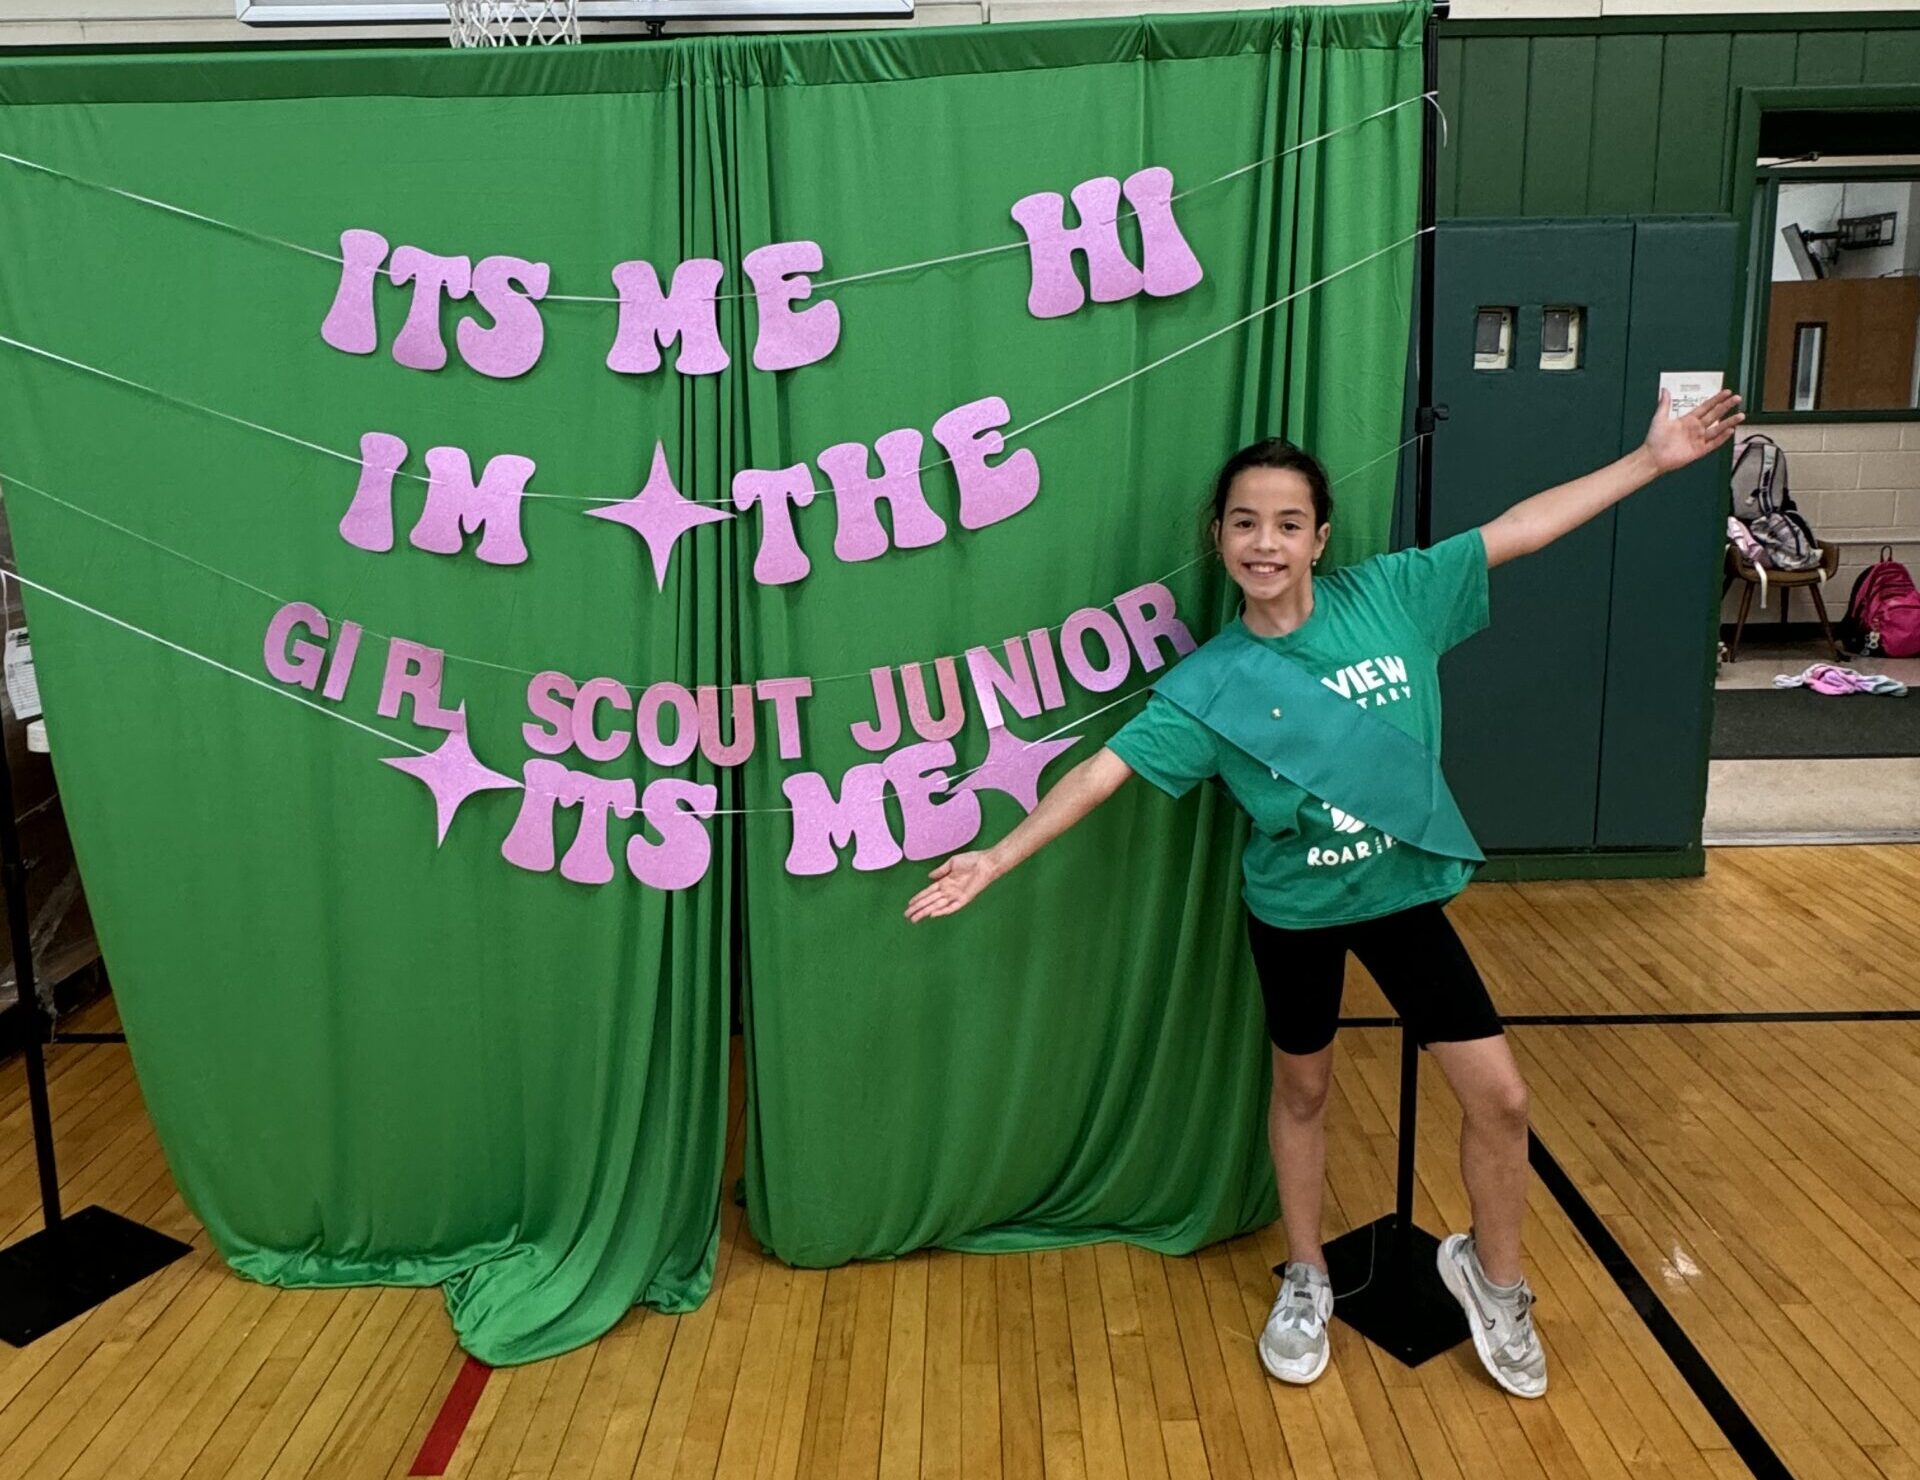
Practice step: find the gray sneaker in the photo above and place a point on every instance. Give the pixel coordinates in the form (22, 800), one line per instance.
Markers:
(1500, 1320)
(1294, 1346)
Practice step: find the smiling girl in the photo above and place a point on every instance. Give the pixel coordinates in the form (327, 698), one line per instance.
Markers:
(1318, 708)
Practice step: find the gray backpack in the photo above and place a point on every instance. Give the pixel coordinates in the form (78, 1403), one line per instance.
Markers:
(1762, 503)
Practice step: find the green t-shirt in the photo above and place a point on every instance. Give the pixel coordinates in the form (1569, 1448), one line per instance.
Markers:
(1375, 636)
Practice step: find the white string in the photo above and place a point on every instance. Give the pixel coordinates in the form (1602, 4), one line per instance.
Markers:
(953, 781)
(827, 492)
(819, 286)
(7, 574)
(285, 693)
(171, 209)
(13, 480)
(1214, 334)
(1427, 97)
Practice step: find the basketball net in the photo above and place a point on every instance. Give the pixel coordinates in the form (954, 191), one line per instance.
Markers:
(513, 22)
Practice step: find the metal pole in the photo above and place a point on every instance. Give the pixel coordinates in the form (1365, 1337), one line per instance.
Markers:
(1425, 417)
(1403, 1180)
(1425, 420)
(13, 876)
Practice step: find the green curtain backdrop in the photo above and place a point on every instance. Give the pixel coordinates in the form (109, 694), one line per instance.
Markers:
(374, 1060)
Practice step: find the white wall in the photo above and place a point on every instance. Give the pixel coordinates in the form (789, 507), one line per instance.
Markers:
(129, 22)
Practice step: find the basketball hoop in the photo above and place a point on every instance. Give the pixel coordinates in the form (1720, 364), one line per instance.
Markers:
(513, 22)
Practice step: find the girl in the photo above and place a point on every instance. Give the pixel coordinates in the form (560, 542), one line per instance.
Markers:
(1318, 707)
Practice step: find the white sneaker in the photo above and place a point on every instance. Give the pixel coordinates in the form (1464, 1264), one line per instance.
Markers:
(1294, 1345)
(1500, 1319)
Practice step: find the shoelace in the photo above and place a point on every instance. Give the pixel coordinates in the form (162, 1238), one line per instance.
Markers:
(1297, 1307)
(1522, 1340)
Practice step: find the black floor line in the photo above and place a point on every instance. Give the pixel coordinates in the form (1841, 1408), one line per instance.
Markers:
(1743, 1436)
(1652, 1019)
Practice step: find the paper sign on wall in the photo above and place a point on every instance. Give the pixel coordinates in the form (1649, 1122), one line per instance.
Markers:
(1690, 387)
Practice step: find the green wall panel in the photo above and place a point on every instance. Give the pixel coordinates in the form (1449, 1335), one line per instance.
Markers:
(1453, 56)
(1626, 124)
(1894, 57)
(1690, 155)
(1831, 57)
(1559, 126)
(1603, 118)
(1492, 110)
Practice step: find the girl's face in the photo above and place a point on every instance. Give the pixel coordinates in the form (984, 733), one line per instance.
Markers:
(1266, 533)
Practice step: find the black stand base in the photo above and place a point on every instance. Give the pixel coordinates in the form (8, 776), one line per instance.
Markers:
(64, 1271)
(1388, 1289)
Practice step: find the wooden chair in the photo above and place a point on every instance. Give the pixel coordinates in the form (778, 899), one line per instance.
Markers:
(1738, 568)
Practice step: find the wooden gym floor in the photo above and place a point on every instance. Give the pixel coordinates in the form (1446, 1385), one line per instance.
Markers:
(1758, 1181)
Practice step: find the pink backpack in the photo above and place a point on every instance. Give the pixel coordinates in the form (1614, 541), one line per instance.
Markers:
(1883, 613)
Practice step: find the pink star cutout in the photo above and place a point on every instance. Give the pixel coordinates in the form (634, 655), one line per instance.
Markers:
(660, 514)
(1014, 765)
(452, 773)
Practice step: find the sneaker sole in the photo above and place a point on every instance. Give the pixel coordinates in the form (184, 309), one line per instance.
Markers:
(1450, 1278)
(1288, 1377)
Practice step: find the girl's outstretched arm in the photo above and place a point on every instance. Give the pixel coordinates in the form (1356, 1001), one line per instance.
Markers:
(961, 877)
(1672, 442)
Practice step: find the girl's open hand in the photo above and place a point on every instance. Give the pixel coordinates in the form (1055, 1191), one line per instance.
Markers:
(1676, 441)
(955, 884)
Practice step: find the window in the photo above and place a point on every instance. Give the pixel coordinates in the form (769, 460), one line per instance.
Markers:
(1809, 342)
(1842, 298)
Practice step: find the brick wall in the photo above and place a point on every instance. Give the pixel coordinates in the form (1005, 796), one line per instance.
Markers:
(1854, 482)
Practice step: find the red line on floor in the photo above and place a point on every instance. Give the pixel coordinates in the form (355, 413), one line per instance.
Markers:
(444, 1437)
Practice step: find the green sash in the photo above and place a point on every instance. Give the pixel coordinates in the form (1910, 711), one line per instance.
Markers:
(1285, 718)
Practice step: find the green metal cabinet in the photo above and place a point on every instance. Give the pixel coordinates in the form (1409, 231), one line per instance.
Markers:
(1577, 723)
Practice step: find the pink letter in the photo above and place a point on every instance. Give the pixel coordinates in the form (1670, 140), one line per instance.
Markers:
(550, 698)
(858, 534)
(992, 682)
(649, 319)
(591, 744)
(932, 829)
(1055, 289)
(299, 663)
(788, 340)
(711, 746)
(530, 844)
(1167, 263)
(679, 860)
(780, 560)
(340, 670)
(1046, 668)
(507, 288)
(368, 522)
(987, 494)
(646, 723)
(953, 713)
(821, 824)
(455, 506)
(883, 732)
(1148, 614)
(419, 346)
(414, 671)
(786, 694)
(349, 326)
(1088, 675)
(588, 861)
